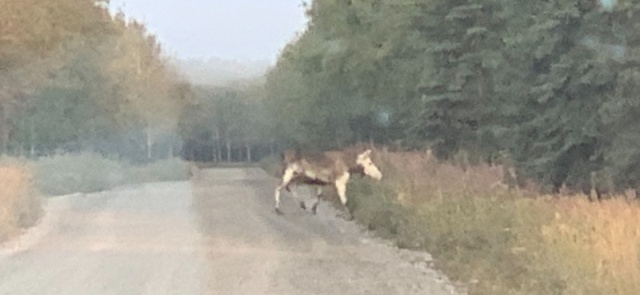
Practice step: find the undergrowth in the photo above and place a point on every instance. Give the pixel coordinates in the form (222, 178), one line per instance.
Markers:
(22, 182)
(494, 239)
(87, 172)
(20, 204)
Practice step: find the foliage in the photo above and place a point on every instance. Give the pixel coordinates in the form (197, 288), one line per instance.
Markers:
(66, 174)
(87, 172)
(494, 240)
(272, 165)
(550, 84)
(74, 77)
(172, 169)
(226, 123)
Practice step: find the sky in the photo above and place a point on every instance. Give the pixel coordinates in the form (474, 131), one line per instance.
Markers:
(242, 30)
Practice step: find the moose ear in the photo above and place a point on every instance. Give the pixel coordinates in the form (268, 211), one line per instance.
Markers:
(367, 153)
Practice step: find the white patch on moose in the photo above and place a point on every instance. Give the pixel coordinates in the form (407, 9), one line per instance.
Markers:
(369, 168)
(337, 174)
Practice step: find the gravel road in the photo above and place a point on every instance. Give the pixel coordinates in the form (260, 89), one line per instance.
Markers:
(216, 234)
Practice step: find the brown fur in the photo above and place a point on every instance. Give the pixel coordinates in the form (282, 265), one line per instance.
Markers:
(327, 165)
(331, 168)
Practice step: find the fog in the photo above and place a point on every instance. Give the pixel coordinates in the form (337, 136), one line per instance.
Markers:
(243, 30)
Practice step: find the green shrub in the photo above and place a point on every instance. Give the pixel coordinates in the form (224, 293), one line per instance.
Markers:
(87, 172)
(480, 240)
(163, 170)
(487, 237)
(272, 165)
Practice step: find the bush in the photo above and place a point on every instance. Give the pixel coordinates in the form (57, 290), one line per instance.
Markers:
(495, 239)
(87, 172)
(272, 165)
(597, 244)
(163, 170)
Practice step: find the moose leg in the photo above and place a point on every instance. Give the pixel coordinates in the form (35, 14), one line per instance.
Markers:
(315, 205)
(277, 199)
(286, 179)
(341, 188)
(297, 198)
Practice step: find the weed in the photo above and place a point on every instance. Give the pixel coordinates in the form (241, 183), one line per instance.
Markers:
(496, 239)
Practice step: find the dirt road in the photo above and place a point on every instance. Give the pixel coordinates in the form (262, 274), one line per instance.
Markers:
(214, 235)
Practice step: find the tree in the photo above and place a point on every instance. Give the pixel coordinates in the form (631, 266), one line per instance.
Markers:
(73, 77)
(549, 83)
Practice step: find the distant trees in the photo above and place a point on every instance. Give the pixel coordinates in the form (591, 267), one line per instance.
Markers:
(226, 124)
(74, 77)
(551, 84)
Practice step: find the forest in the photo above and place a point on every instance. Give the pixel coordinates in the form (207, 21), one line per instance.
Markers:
(549, 87)
(74, 77)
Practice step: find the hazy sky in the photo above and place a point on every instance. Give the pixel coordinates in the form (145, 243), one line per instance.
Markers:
(229, 29)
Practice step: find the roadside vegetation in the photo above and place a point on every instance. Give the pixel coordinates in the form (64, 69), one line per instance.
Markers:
(80, 87)
(272, 165)
(493, 238)
(497, 240)
(86, 172)
(20, 203)
(25, 183)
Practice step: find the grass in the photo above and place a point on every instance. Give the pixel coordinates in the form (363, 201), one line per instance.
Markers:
(22, 183)
(20, 205)
(86, 172)
(497, 240)
(598, 243)
(272, 165)
(162, 170)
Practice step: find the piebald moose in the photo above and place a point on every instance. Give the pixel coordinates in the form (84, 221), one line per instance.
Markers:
(333, 168)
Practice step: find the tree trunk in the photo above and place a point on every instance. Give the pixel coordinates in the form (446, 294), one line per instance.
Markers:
(218, 149)
(32, 139)
(248, 153)
(149, 143)
(229, 151)
(4, 132)
(214, 145)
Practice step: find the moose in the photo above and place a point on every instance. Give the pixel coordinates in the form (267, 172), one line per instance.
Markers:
(331, 168)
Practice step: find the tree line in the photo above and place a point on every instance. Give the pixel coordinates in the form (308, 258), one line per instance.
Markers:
(227, 124)
(549, 85)
(74, 77)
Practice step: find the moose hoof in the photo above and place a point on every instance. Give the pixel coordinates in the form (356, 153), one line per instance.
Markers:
(303, 206)
(313, 210)
(346, 216)
(277, 210)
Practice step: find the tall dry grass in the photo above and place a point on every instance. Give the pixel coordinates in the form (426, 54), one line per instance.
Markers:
(598, 244)
(498, 240)
(20, 206)
(22, 182)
